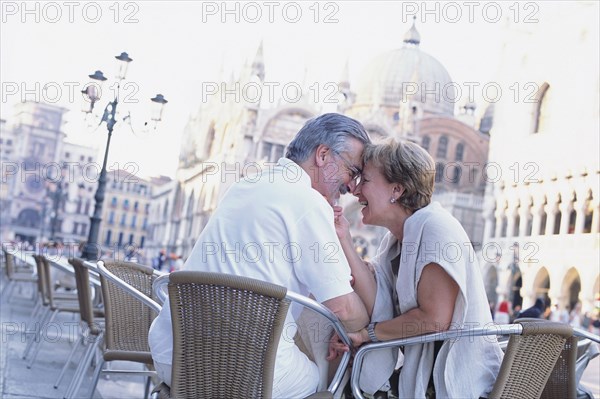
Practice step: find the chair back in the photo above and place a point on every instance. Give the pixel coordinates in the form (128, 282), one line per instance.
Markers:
(127, 319)
(47, 281)
(563, 382)
(10, 264)
(530, 359)
(84, 294)
(41, 280)
(226, 330)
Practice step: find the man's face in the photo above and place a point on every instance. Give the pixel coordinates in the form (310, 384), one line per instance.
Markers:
(338, 172)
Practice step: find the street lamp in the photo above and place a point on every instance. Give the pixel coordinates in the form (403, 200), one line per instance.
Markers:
(92, 92)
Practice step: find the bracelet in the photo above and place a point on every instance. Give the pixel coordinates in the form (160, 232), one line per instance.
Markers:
(371, 332)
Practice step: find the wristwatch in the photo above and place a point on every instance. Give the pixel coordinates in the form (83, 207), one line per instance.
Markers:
(371, 332)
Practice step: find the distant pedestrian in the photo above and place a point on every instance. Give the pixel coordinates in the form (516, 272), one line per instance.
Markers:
(502, 315)
(160, 260)
(536, 311)
(177, 264)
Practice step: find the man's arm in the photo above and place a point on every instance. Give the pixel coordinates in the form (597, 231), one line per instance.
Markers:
(350, 310)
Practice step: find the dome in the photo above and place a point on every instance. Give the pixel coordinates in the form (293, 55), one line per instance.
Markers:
(402, 75)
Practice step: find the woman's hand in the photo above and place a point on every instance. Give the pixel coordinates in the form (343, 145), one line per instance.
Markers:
(336, 347)
(342, 226)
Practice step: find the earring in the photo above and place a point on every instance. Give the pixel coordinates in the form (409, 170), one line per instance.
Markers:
(393, 200)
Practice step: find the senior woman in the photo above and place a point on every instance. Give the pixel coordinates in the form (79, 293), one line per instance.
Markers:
(430, 260)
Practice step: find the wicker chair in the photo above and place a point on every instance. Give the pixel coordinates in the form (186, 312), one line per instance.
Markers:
(92, 320)
(562, 382)
(55, 302)
(15, 275)
(226, 331)
(127, 318)
(532, 352)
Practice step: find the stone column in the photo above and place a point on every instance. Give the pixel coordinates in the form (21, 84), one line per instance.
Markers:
(580, 208)
(510, 223)
(551, 210)
(499, 218)
(537, 210)
(488, 219)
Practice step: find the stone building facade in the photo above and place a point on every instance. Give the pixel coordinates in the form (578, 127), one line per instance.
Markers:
(542, 218)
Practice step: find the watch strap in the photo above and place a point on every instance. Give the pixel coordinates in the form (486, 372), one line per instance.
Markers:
(371, 332)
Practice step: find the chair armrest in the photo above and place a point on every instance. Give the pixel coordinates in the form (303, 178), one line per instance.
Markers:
(338, 327)
(503, 329)
(128, 288)
(578, 332)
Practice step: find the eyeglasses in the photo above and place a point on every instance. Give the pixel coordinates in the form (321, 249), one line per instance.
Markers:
(355, 172)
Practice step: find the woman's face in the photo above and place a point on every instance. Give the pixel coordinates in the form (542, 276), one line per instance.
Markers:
(374, 192)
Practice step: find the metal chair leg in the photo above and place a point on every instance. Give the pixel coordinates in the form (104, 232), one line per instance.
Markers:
(96, 377)
(64, 369)
(83, 365)
(39, 346)
(36, 332)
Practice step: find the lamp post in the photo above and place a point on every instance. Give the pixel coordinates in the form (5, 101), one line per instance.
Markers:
(90, 250)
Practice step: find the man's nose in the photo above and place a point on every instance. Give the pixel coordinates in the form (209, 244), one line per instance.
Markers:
(354, 188)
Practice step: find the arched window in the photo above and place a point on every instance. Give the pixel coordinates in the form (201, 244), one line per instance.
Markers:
(425, 141)
(557, 218)
(588, 214)
(460, 152)
(439, 172)
(572, 217)
(504, 226)
(442, 148)
(539, 108)
(543, 222)
(29, 218)
(456, 173)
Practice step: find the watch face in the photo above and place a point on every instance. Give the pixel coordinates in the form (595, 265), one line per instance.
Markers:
(34, 184)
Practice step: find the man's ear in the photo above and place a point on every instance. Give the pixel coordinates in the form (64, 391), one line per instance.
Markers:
(321, 154)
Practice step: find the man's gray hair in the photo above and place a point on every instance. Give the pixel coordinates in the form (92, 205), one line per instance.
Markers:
(332, 130)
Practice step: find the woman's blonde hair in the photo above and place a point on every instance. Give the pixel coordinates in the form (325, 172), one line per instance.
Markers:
(409, 165)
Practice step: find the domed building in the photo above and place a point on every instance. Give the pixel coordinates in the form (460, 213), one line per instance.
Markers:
(408, 94)
(400, 82)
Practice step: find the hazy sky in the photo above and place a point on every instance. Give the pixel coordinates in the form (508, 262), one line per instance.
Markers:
(179, 47)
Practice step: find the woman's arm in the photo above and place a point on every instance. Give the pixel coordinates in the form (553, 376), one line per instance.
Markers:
(364, 281)
(436, 296)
